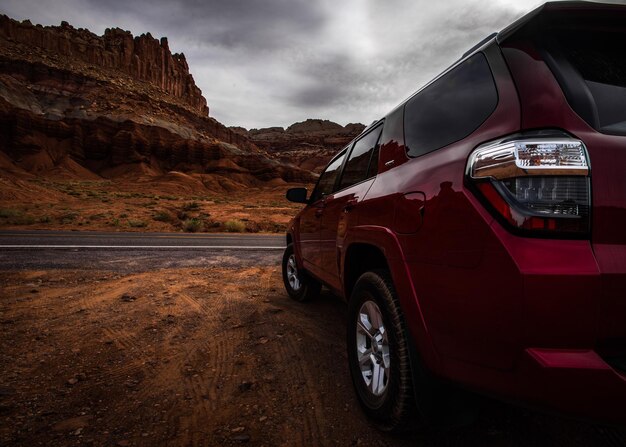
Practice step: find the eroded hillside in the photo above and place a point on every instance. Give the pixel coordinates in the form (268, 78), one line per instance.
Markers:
(76, 105)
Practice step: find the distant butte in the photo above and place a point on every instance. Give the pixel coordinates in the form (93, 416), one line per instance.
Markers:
(308, 144)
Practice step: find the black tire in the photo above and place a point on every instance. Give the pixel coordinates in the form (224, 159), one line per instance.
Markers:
(308, 289)
(394, 410)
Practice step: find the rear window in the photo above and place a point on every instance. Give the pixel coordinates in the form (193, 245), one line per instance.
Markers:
(450, 108)
(599, 58)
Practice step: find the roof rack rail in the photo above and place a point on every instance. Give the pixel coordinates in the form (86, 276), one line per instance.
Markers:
(479, 44)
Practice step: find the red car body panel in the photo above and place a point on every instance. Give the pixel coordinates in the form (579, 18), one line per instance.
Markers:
(528, 319)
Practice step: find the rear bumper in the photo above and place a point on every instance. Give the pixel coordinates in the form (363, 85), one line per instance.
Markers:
(538, 321)
(572, 382)
(575, 382)
(573, 321)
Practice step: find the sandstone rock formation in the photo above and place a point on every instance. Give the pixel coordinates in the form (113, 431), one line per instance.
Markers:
(76, 104)
(309, 144)
(143, 57)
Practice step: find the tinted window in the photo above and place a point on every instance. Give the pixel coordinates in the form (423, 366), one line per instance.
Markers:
(450, 108)
(356, 169)
(393, 132)
(373, 169)
(392, 139)
(599, 57)
(326, 182)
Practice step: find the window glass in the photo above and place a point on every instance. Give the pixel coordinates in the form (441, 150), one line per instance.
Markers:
(393, 131)
(373, 169)
(356, 169)
(326, 182)
(599, 57)
(451, 108)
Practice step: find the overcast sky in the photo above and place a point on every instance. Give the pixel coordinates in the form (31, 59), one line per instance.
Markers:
(264, 63)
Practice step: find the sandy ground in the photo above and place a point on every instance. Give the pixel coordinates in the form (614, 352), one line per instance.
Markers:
(201, 356)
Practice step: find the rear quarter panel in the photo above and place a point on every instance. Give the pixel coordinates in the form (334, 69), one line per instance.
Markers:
(463, 291)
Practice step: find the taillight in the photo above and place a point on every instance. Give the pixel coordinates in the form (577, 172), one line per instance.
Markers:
(535, 184)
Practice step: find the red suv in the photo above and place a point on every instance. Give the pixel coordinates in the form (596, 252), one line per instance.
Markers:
(478, 231)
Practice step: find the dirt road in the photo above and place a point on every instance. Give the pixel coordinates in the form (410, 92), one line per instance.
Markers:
(200, 356)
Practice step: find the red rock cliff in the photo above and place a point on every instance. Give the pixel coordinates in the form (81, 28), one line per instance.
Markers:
(144, 57)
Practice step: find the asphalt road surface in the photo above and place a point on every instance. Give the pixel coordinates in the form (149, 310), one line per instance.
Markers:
(135, 252)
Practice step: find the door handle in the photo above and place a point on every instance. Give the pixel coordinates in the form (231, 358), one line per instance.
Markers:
(349, 205)
(320, 207)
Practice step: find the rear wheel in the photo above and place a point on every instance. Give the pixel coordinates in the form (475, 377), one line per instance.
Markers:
(299, 285)
(378, 354)
(386, 368)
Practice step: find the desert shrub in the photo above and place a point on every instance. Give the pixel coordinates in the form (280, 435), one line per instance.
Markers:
(9, 212)
(234, 226)
(68, 217)
(123, 216)
(190, 206)
(22, 219)
(45, 219)
(182, 215)
(193, 225)
(137, 223)
(252, 227)
(129, 195)
(162, 216)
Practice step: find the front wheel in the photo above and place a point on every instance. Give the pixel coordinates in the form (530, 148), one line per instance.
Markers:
(299, 285)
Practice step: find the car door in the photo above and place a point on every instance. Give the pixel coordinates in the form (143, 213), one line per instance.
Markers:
(338, 213)
(310, 219)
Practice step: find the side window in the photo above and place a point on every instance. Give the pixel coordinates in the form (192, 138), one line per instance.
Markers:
(451, 108)
(326, 182)
(392, 137)
(357, 167)
(373, 169)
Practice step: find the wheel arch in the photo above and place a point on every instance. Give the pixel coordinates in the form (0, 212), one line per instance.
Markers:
(361, 257)
(373, 247)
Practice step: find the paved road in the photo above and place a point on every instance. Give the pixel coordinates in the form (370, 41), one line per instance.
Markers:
(132, 252)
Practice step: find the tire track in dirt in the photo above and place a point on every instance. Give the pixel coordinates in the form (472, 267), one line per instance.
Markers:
(278, 344)
(222, 359)
(297, 345)
(199, 367)
(308, 430)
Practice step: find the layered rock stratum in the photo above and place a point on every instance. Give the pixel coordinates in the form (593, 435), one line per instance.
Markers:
(77, 105)
(308, 144)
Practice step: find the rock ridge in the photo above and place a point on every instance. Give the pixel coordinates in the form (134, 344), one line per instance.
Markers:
(142, 57)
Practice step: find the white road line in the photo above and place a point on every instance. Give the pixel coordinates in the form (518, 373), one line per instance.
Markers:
(147, 236)
(225, 247)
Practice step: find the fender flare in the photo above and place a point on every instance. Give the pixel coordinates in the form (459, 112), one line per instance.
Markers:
(386, 241)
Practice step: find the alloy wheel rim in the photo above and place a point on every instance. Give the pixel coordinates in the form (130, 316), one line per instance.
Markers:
(292, 274)
(372, 347)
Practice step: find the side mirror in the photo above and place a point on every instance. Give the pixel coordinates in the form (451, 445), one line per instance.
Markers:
(297, 195)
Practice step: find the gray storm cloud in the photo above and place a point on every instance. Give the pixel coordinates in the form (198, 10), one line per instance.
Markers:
(265, 63)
